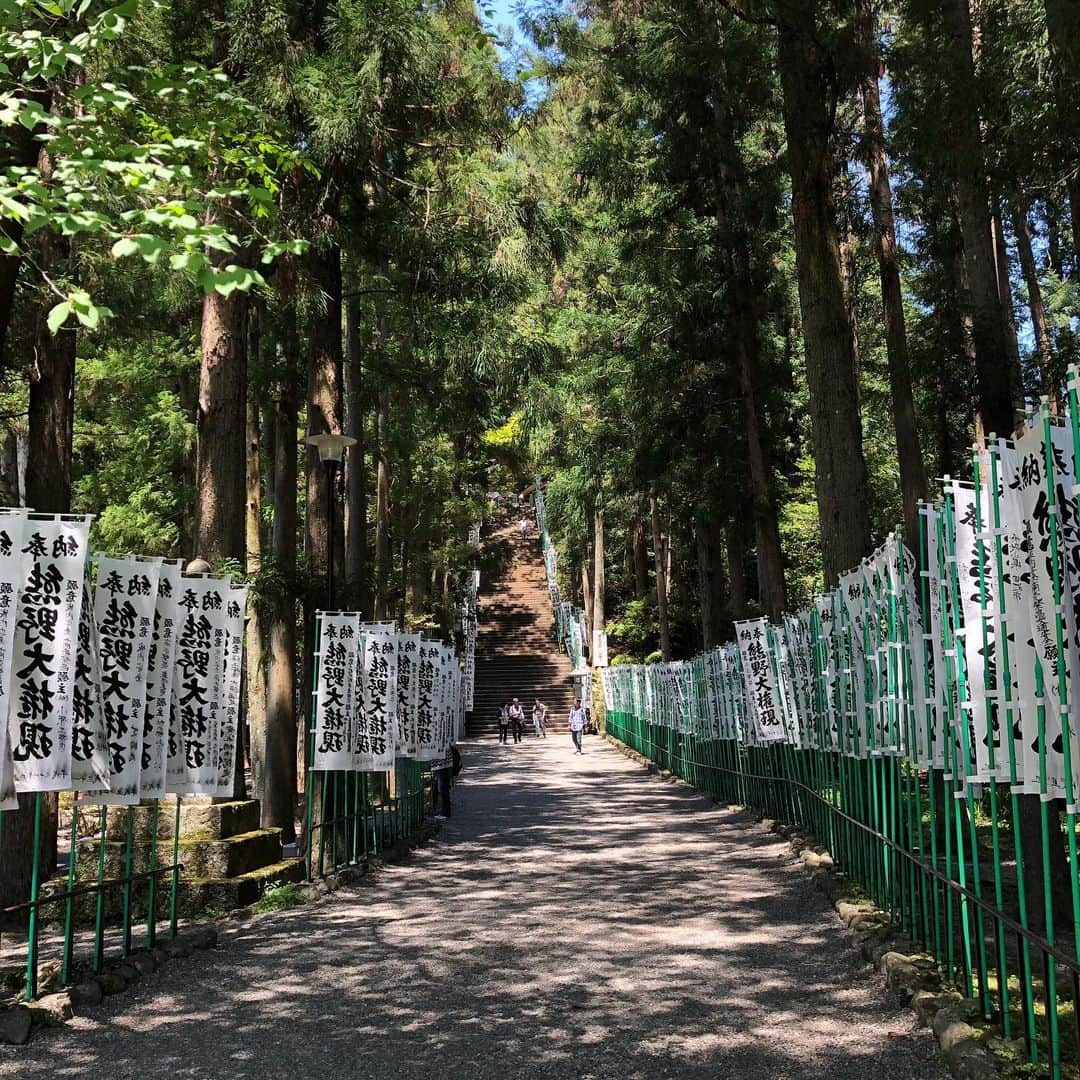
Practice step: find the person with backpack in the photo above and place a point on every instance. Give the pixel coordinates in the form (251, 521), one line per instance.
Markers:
(517, 720)
(576, 723)
(504, 721)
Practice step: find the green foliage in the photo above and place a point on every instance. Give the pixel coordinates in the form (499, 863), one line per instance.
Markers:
(134, 437)
(279, 897)
(637, 629)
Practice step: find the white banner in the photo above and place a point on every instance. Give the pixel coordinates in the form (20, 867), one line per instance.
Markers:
(378, 703)
(427, 700)
(124, 601)
(408, 692)
(235, 607)
(160, 669)
(44, 652)
(761, 691)
(336, 699)
(195, 725)
(12, 526)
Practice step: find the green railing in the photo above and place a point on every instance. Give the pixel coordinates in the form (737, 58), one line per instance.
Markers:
(919, 856)
(354, 815)
(110, 904)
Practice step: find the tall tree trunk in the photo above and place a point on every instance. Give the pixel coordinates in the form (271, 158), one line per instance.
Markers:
(745, 299)
(1043, 350)
(325, 546)
(661, 571)
(254, 670)
(736, 560)
(1063, 30)
(711, 577)
(806, 74)
(994, 404)
(221, 423)
(48, 489)
(913, 484)
(598, 653)
(324, 408)
(641, 560)
(1008, 314)
(278, 792)
(382, 504)
(355, 466)
(586, 603)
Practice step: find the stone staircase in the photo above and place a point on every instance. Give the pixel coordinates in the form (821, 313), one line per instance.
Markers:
(516, 651)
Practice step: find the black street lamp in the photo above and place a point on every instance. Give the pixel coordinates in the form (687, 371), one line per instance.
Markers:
(331, 451)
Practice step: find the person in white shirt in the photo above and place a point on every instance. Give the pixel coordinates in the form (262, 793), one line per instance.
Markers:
(576, 723)
(517, 720)
(523, 527)
(540, 718)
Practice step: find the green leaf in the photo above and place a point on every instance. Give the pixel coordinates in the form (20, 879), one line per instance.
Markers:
(58, 316)
(124, 246)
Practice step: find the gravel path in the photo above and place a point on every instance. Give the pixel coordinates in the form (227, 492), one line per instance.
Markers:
(578, 918)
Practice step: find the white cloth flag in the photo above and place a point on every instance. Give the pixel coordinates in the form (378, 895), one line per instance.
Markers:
(428, 691)
(408, 693)
(195, 725)
(44, 653)
(378, 703)
(976, 637)
(235, 606)
(90, 743)
(12, 525)
(763, 702)
(124, 602)
(1016, 546)
(336, 700)
(160, 669)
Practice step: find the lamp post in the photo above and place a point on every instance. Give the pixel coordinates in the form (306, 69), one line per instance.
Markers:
(331, 449)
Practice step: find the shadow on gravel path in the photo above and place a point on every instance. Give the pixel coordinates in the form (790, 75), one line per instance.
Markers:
(577, 918)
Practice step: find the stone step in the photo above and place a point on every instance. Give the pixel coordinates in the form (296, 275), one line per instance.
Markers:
(193, 895)
(198, 820)
(228, 857)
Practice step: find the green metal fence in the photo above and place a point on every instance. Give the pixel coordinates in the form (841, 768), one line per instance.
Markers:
(103, 904)
(922, 863)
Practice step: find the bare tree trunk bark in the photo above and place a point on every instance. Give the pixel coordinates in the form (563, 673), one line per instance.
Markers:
(586, 603)
(1043, 350)
(807, 71)
(994, 404)
(220, 428)
(324, 408)
(255, 671)
(736, 560)
(661, 571)
(382, 505)
(745, 300)
(48, 489)
(913, 484)
(278, 792)
(641, 561)
(598, 585)
(1008, 314)
(1063, 30)
(711, 577)
(355, 466)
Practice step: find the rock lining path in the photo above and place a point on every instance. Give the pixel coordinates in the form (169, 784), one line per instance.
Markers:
(578, 918)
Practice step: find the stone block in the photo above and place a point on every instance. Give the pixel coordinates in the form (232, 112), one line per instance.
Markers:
(15, 1024)
(85, 994)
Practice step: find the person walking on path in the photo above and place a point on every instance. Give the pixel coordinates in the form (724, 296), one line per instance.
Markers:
(504, 721)
(576, 723)
(540, 718)
(517, 720)
(523, 527)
